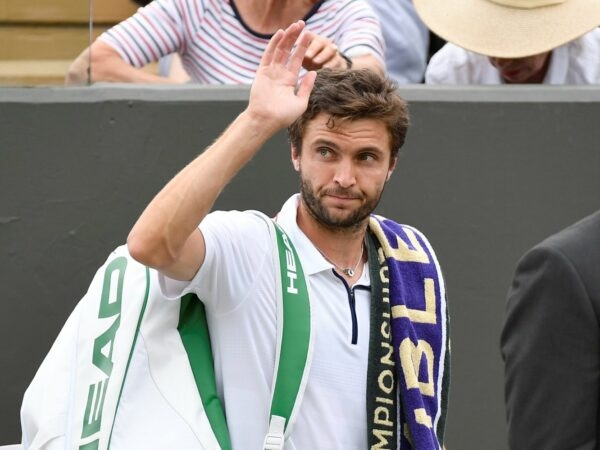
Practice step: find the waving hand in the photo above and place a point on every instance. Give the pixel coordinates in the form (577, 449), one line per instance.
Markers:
(277, 95)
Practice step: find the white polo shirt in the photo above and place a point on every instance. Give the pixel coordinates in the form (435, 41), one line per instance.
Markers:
(236, 283)
(575, 63)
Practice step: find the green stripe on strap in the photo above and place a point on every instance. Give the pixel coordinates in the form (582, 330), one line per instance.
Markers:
(193, 330)
(295, 331)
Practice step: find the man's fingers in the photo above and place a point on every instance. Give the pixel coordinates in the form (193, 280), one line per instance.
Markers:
(306, 85)
(298, 55)
(267, 56)
(285, 45)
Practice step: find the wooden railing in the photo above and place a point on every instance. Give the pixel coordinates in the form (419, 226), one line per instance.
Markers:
(40, 38)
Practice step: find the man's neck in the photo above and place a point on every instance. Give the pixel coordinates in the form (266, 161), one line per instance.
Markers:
(340, 245)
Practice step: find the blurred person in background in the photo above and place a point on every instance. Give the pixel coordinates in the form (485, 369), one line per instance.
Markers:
(551, 343)
(514, 41)
(222, 42)
(406, 40)
(169, 65)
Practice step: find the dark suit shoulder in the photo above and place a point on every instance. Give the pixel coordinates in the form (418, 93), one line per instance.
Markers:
(575, 237)
(549, 342)
(578, 245)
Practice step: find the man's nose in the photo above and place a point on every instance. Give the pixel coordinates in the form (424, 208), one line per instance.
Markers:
(344, 174)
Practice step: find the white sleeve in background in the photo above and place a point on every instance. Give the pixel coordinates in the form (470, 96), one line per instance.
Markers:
(583, 59)
(455, 65)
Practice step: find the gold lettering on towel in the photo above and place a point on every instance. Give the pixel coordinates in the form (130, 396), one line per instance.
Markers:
(422, 417)
(385, 381)
(385, 412)
(382, 436)
(410, 360)
(428, 315)
(402, 251)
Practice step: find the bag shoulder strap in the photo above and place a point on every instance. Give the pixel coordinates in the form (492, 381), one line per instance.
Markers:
(293, 351)
(193, 330)
(294, 342)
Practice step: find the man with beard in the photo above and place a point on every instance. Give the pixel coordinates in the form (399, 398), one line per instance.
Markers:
(345, 128)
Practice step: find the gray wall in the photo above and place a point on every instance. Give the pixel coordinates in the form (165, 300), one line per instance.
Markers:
(485, 173)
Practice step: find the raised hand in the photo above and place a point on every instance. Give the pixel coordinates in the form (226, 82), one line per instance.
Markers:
(277, 96)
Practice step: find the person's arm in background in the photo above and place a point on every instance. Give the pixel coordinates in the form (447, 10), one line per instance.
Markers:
(551, 348)
(175, 70)
(322, 52)
(368, 62)
(358, 39)
(107, 65)
(120, 54)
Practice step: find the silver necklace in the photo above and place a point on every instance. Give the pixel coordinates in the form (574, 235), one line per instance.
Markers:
(349, 271)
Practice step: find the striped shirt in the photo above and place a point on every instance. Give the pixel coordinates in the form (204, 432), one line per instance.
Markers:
(217, 47)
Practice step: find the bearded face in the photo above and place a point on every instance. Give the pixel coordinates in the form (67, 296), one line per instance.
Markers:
(336, 217)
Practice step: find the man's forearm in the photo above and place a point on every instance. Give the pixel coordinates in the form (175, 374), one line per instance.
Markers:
(159, 236)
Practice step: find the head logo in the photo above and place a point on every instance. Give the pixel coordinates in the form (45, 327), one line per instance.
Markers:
(110, 306)
(290, 260)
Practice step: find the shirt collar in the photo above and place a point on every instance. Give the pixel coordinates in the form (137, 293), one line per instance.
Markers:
(312, 261)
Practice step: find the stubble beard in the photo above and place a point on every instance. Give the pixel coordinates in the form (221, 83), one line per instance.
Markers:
(320, 213)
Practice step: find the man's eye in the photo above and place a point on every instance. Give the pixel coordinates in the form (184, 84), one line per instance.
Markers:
(324, 152)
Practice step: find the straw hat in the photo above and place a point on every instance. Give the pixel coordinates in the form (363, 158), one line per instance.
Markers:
(509, 28)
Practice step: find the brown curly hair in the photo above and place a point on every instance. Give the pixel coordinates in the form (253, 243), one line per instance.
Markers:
(352, 95)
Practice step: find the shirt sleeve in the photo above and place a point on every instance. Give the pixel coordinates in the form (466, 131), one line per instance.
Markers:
(152, 32)
(358, 30)
(550, 348)
(442, 69)
(406, 39)
(454, 65)
(238, 248)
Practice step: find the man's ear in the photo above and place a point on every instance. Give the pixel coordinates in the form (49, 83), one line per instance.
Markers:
(392, 167)
(295, 159)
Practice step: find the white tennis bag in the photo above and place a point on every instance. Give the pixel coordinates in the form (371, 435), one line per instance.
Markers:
(126, 350)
